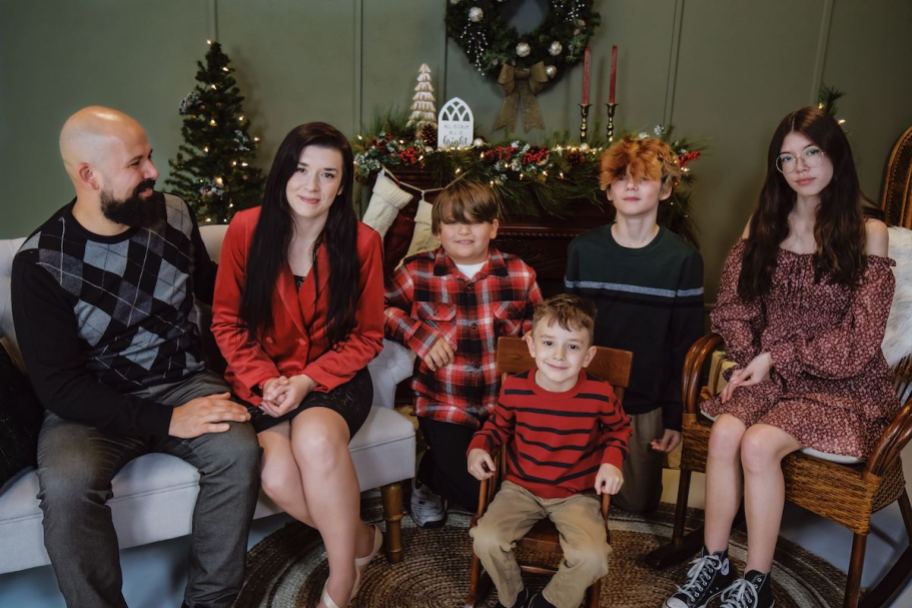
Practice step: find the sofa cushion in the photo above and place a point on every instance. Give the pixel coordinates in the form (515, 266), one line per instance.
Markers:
(20, 419)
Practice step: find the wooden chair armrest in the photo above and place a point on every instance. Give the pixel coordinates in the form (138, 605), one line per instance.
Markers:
(693, 365)
(891, 443)
(605, 504)
(488, 488)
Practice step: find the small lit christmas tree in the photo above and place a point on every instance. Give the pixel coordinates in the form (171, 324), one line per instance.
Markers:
(424, 112)
(213, 170)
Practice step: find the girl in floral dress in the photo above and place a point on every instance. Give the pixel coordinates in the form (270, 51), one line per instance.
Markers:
(802, 305)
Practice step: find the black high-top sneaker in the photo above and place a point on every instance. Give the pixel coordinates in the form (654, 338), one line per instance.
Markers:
(755, 590)
(708, 576)
(522, 600)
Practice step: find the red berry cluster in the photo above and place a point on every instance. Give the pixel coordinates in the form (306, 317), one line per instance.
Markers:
(686, 157)
(535, 156)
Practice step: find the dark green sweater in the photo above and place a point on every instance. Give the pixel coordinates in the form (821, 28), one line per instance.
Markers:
(650, 301)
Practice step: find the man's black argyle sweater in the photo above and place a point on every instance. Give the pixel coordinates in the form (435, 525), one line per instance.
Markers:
(101, 317)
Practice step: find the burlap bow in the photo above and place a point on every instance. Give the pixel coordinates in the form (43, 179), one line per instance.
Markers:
(521, 85)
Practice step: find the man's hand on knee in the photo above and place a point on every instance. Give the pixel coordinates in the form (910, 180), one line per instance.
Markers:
(209, 414)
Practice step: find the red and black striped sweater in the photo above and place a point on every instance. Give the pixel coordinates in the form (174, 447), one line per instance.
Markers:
(556, 442)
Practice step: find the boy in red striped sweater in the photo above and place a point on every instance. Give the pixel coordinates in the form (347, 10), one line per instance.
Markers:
(565, 434)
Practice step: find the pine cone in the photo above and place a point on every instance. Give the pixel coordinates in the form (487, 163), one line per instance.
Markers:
(428, 134)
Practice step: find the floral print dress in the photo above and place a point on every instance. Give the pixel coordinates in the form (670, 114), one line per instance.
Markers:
(829, 386)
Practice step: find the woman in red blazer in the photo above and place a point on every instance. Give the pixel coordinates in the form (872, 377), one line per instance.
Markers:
(298, 314)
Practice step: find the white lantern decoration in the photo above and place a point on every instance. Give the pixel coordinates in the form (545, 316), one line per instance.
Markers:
(523, 49)
(455, 124)
(475, 14)
(555, 48)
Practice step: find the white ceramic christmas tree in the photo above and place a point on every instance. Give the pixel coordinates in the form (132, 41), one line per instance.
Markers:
(424, 112)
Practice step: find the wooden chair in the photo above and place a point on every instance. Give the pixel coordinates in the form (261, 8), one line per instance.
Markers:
(843, 493)
(513, 357)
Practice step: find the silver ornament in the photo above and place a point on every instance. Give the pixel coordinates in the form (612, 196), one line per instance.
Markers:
(555, 48)
(475, 14)
(523, 49)
(478, 142)
(551, 71)
(454, 2)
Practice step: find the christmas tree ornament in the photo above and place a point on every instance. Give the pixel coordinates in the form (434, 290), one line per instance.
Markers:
(387, 199)
(475, 14)
(213, 170)
(424, 110)
(523, 49)
(551, 71)
(555, 48)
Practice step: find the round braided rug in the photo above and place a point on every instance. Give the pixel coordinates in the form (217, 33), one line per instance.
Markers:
(288, 568)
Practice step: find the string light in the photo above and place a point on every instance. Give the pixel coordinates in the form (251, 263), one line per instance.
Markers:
(212, 123)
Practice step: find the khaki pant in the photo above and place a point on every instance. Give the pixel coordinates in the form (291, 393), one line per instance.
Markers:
(578, 519)
(642, 468)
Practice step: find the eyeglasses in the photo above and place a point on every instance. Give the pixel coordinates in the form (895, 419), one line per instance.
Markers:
(811, 156)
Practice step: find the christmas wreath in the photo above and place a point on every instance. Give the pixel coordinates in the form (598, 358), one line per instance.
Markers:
(523, 64)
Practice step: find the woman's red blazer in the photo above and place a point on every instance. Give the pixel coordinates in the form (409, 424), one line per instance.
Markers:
(297, 342)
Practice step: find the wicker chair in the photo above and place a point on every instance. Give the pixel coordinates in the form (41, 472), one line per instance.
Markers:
(542, 540)
(845, 494)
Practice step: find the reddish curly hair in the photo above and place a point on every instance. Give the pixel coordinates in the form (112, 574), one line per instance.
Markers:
(649, 158)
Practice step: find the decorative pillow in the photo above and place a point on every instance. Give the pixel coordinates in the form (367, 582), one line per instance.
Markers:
(20, 420)
(897, 342)
(386, 200)
(423, 239)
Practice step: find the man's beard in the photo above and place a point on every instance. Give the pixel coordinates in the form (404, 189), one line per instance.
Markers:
(135, 211)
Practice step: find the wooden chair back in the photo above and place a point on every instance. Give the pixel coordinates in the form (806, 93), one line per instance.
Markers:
(609, 364)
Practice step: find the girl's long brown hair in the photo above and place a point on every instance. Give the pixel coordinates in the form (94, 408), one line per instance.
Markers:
(839, 228)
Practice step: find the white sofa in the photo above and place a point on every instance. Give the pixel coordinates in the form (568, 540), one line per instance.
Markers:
(154, 495)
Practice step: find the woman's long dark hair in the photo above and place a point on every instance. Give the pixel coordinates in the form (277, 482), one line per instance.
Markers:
(275, 229)
(839, 227)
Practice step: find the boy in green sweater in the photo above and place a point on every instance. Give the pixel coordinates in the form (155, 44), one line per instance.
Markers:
(647, 284)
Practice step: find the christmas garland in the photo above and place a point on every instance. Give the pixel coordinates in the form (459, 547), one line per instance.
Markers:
(531, 180)
(481, 29)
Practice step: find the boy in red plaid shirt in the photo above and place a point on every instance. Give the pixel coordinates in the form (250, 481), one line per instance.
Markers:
(449, 306)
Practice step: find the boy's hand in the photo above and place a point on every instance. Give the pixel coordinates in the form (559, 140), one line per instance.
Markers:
(441, 354)
(667, 442)
(608, 480)
(481, 465)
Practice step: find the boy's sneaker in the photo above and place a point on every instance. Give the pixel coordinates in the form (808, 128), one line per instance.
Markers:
(755, 590)
(428, 510)
(538, 601)
(708, 577)
(522, 600)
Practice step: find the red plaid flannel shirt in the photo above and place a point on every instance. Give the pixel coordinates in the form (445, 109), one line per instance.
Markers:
(428, 298)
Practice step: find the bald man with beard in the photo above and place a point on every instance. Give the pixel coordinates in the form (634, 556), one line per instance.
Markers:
(102, 301)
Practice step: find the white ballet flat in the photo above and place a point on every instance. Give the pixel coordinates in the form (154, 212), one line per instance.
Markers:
(362, 562)
(326, 600)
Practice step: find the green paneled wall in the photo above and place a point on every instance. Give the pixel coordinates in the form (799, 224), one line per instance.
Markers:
(724, 71)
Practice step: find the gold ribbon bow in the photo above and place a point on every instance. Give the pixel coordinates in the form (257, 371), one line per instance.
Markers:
(520, 86)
